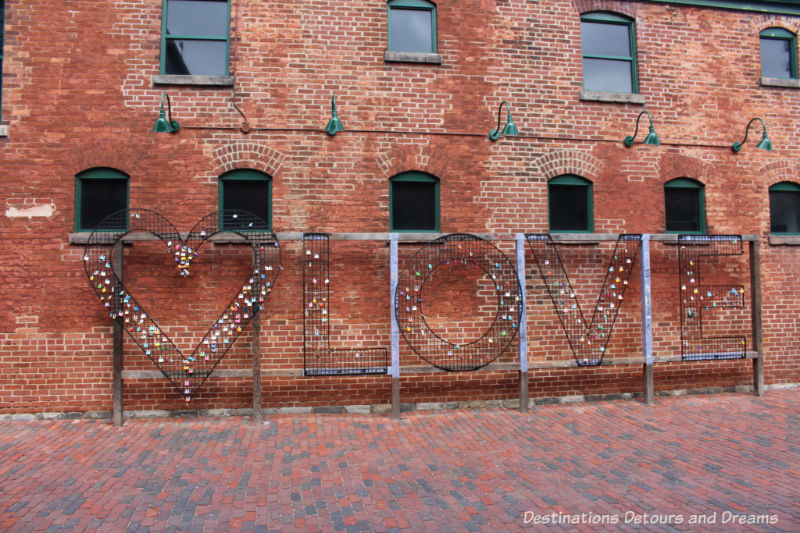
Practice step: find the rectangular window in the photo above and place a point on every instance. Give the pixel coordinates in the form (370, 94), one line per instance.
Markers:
(412, 26)
(98, 194)
(784, 208)
(414, 199)
(778, 53)
(195, 36)
(2, 39)
(609, 53)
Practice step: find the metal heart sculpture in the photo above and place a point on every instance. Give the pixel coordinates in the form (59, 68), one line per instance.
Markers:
(186, 372)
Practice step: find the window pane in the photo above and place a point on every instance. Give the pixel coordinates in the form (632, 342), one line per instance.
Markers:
(206, 18)
(569, 208)
(776, 58)
(198, 58)
(410, 30)
(413, 205)
(600, 39)
(682, 209)
(252, 196)
(784, 211)
(100, 198)
(607, 75)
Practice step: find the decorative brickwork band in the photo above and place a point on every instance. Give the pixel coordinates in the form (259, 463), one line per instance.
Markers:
(319, 359)
(186, 372)
(587, 338)
(698, 299)
(499, 290)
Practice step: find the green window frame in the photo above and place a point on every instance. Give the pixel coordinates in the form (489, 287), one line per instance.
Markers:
(246, 190)
(606, 66)
(2, 40)
(409, 191)
(200, 37)
(405, 15)
(570, 204)
(684, 206)
(778, 53)
(98, 193)
(784, 208)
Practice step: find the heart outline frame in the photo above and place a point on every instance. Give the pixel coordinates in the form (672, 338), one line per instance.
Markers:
(186, 372)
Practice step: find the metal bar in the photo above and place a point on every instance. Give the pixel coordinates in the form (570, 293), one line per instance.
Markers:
(758, 334)
(258, 417)
(117, 417)
(394, 368)
(522, 334)
(647, 317)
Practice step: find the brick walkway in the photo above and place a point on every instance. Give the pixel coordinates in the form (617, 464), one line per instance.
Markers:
(719, 457)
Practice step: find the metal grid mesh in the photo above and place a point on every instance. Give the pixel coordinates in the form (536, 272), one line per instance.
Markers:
(587, 338)
(410, 305)
(186, 372)
(319, 359)
(697, 298)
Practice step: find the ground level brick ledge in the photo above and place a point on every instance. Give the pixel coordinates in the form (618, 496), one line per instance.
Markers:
(379, 409)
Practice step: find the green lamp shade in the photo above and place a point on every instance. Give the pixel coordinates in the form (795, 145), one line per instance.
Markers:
(334, 126)
(765, 143)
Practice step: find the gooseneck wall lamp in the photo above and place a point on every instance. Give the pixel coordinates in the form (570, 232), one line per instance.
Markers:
(162, 124)
(651, 138)
(764, 143)
(509, 129)
(334, 124)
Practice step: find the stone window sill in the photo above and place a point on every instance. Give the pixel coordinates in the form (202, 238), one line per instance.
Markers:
(3, 130)
(617, 98)
(172, 79)
(784, 240)
(781, 82)
(412, 57)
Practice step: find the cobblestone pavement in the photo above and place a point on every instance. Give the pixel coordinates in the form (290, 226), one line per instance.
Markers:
(723, 459)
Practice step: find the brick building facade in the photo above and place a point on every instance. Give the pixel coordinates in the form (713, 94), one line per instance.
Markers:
(250, 84)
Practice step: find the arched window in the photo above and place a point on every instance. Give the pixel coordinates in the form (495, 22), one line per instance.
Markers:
(608, 44)
(685, 206)
(778, 53)
(414, 202)
(569, 200)
(98, 193)
(784, 208)
(246, 190)
(412, 26)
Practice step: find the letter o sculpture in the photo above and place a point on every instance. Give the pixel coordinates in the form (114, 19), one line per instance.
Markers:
(458, 248)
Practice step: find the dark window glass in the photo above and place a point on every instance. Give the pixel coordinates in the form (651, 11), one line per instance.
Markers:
(197, 18)
(569, 207)
(784, 211)
(198, 58)
(99, 198)
(776, 58)
(683, 209)
(410, 30)
(413, 205)
(195, 37)
(246, 195)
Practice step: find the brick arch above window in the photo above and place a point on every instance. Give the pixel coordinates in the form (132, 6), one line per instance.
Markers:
(780, 171)
(239, 155)
(630, 9)
(413, 157)
(569, 162)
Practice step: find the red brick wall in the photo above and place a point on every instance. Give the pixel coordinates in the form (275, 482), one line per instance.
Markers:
(78, 94)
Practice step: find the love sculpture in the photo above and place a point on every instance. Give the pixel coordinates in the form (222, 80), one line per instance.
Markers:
(187, 372)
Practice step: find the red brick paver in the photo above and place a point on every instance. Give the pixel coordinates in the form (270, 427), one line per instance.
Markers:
(721, 458)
